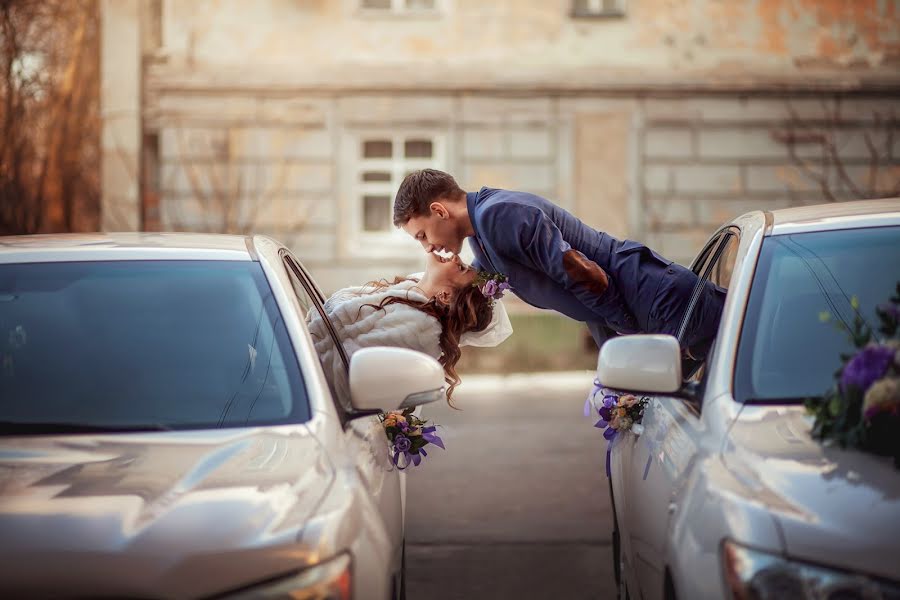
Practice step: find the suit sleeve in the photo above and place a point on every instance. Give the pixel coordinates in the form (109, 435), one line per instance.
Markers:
(527, 235)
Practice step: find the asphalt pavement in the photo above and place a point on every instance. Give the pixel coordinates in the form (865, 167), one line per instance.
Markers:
(518, 504)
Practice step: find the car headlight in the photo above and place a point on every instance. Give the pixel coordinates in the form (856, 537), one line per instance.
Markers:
(754, 575)
(326, 581)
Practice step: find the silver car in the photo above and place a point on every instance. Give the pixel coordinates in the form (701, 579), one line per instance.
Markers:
(168, 432)
(725, 493)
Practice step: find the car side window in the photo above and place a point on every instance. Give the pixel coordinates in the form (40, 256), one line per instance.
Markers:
(705, 257)
(327, 343)
(723, 268)
(717, 269)
(303, 297)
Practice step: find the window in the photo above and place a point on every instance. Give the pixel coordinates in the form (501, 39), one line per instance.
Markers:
(398, 6)
(145, 344)
(598, 8)
(802, 293)
(380, 162)
(327, 343)
(722, 270)
(714, 266)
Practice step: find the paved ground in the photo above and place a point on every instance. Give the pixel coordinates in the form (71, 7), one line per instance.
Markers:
(517, 507)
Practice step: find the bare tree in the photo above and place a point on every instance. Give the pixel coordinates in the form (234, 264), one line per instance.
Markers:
(49, 116)
(848, 156)
(232, 195)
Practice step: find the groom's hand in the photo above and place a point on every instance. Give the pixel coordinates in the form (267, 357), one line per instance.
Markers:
(584, 271)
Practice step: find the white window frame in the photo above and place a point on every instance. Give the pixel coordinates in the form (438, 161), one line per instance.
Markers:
(600, 8)
(395, 242)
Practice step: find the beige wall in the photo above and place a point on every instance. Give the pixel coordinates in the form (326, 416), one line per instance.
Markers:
(658, 126)
(509, 36)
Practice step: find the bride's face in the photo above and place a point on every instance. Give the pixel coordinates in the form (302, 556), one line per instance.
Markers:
(448, 272)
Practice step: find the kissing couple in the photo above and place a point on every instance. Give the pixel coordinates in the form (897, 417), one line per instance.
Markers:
(524, 243)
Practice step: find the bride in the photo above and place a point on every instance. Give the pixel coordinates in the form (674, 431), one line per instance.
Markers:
(435, 312)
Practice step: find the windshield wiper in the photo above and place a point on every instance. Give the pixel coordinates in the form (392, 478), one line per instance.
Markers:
(20, 428)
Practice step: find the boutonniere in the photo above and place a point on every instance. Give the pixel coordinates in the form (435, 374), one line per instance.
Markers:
(492, 285)
(408, 435)
(618, 414)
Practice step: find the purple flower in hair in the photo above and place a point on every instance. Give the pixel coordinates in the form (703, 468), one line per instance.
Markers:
(869, 365)
(492, 285)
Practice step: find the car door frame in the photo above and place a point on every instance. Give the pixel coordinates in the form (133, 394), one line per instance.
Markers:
(650, 469)
(295, 267)
(363, 433)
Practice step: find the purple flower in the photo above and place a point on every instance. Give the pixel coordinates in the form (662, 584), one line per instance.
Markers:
(606, 413)
(869, 365)
(872, 412)
(609, 401)
(402, 443)
(490, 288)
(890, 309)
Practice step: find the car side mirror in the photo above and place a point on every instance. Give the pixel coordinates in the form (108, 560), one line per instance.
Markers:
(384, 379)
(641, 364)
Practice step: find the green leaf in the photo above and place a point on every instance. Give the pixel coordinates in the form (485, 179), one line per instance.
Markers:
(834, 406)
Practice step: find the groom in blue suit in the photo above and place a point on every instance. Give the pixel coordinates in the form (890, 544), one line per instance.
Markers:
(555, 261)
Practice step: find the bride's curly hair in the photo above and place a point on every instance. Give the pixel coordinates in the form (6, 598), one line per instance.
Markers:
(468, 311)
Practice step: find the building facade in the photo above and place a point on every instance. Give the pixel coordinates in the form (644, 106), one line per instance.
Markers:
(655, 120)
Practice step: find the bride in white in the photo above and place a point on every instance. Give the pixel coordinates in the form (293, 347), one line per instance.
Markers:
(434, 312)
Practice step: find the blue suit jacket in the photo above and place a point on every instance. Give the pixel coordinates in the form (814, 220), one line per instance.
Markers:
(525, 236)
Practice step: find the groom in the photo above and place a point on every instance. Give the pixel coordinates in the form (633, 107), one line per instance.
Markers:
(555, 261)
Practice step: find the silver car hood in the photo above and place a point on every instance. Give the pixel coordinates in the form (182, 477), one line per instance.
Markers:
(168, 514)
(834, 507)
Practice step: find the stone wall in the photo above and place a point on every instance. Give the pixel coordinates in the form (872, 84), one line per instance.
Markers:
(526, 41)
(658, 126)
(706, 160)
(666, 171)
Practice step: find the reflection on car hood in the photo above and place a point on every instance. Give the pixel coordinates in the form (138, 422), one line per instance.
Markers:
(835, 507)
(156, 514)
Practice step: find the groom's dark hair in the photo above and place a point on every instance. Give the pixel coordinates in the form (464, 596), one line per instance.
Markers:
(419, 189)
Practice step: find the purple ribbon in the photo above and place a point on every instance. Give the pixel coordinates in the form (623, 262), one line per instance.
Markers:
(611, 435)
(594, 391)
(430, 437)
(415, 458)
(605, 412)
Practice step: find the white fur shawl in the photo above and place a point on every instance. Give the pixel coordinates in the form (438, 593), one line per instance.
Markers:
(360, 326)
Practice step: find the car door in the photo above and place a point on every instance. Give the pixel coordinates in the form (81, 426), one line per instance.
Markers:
(364, 436)
(647, 470)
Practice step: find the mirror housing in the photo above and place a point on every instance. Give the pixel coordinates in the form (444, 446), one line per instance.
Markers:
(641, 364)
(384, 378)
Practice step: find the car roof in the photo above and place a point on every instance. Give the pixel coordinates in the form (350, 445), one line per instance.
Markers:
(126, 246)
(836, 215)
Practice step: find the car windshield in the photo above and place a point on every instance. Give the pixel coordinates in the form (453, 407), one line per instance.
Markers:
(805, 292)
(135, 345)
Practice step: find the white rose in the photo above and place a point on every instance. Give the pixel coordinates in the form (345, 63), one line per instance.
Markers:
(882, 393)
